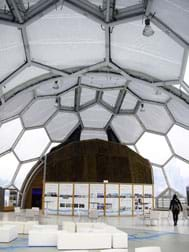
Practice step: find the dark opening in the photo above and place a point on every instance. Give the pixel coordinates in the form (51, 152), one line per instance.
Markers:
(37, 197)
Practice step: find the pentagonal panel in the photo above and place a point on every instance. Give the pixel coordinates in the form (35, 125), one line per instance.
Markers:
(62, 125)
(95, 117)
(127, 128)
(68, 99)
(179, 110)
(148, 93)
(132, 50)
(55, 86)
(154, 148)
(155, 117)
(177, 173)
(32, 144)
(26, 75)
(39, 112)
(93, 134)
(8, 133)
(87, 95)
(8, 166)
(159, 180)
(129, 102)
(179, 137)
(22, 173)
(80, 44)
(110, 97)
(15, 105)
(12, 50)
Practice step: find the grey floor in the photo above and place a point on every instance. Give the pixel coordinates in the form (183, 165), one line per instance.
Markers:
(165, 235)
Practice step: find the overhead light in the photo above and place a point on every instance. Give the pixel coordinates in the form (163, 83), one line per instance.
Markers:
(55, 85)
(57, 102)
(147, 32)
(142, 107)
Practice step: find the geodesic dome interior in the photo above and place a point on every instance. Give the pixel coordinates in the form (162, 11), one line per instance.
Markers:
(70, 63)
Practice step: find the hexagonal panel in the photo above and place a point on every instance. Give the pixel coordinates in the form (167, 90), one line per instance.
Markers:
(8, 166)
(9, 131)
(22, 173)
(32, 144)
(68, 99)
(62, 124)
(154, 147)
(11, 48)
(179, 137)
(39, 112)
(127, 128)
(177, 173)
(93, 134)
(95, 116)
(159, 180)
(131, 50)
(179, 110)
(110, 97)
(87, 95)
(81, 44)
(155, 117)
(129, 102)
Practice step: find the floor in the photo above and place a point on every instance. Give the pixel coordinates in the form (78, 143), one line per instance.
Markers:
(165, 235)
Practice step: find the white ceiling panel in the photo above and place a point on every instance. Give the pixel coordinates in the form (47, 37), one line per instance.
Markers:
(80, 45)
(154, 147)
(155, 117)
(24, 76)
(95, 117)
(29, 3)
(148, 93)
(132, 50)
(179, 110)
(186, 76)
(126, 3)
(8, 166)
(12, 53)
(32, 144)
(129, 102)
(39, 112)
(110, 97)
(175, 14)
(22, 173)
(62, 124)
(9, 131)
(68, 99)
(93, 134)
(15, 105)
(87, 95)
(56, 86)
(127, 128)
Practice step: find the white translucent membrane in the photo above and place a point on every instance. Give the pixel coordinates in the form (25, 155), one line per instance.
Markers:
(154, 148)
(93, 134)
(8, 166)
(8, 133)
(179, 138)
(177, 173)
(159, 180)
(22, 174)
(32, 144)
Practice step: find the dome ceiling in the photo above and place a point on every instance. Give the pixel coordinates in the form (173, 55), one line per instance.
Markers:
(70, 63)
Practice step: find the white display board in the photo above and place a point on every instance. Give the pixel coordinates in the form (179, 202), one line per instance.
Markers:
(112, 199)
(51, 198)
(65, 199)
(126, 199)
(148, 197)
(97, 198)
(81, 193)
(138, 199)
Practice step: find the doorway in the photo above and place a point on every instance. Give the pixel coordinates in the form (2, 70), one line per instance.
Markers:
(37, 197)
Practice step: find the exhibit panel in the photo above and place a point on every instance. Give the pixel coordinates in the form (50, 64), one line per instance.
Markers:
(65, 199)
(138, 200)
(97, 198)
(51, 198)
(148, 198)
(112, 200)
(126, 199)
(81, 194)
